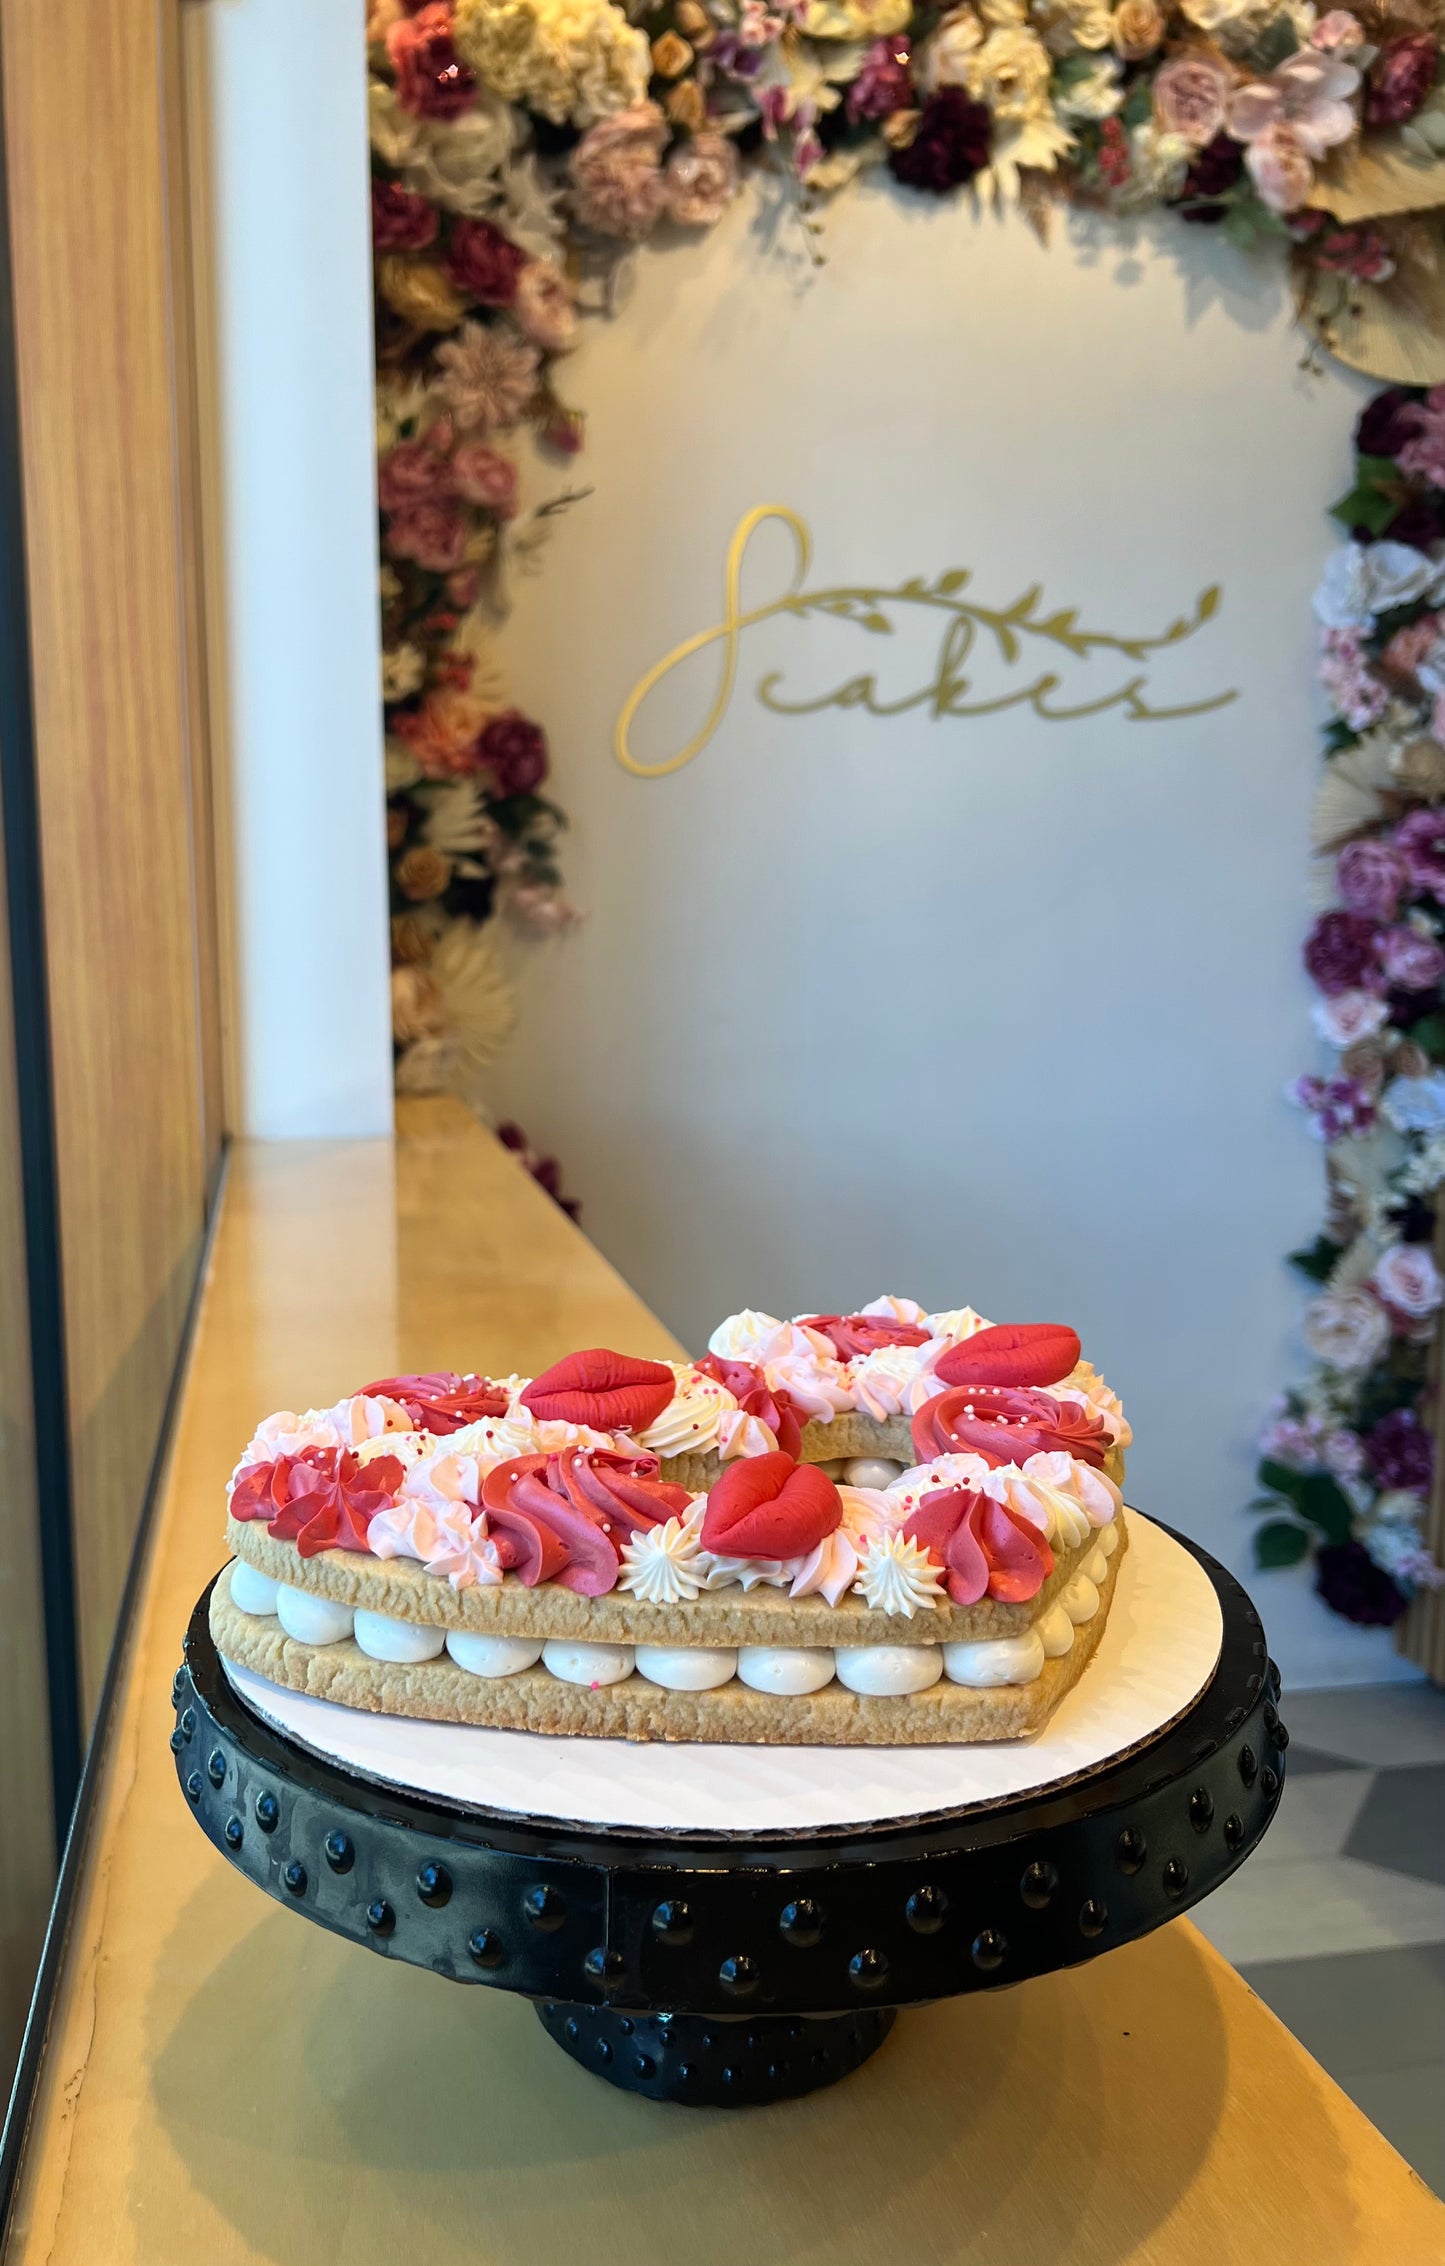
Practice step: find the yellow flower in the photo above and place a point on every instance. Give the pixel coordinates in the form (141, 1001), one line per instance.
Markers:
(570, 60)
(1010, 72)
(1138, 29)
(419, 291)
(670, 56)
(686, 106)
(857, 19)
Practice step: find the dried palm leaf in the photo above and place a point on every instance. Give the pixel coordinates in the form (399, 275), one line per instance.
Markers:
(1393, 330)
(1375, 179)
(1355, 791)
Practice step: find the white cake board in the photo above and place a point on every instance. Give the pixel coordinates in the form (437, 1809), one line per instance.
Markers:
(1158, 1652)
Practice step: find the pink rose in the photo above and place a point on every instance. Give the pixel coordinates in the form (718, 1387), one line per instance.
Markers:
(1409, 646)
(702, 180)
(1420, 841)
(485, 477)
(484, 263)
(1280, 168)
(1371, 875)
(1346, 1017)
(401, 221)
(1408, 1279)
(1190, 94)
(431, 79)
(1338, 33)
(618, 187)
(442, 733)
(543, 306)
(432, 532)
(411, 473)
(1411, 962)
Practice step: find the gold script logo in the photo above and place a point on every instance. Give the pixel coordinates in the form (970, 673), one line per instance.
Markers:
(972, 636)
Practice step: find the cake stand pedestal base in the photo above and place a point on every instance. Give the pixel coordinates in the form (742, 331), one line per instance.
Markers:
(708, 2061)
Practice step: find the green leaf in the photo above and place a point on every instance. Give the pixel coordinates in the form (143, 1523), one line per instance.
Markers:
(1138, 104)
(1281, 1543)
(1323, 1502)
(1276, 42)
(1429, 1033)
(1281, 1479)
(1319, 1259)
(1365, 506)
(1338, 735)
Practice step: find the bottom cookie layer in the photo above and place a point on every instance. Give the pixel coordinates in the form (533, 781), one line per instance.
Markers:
(733, 1714)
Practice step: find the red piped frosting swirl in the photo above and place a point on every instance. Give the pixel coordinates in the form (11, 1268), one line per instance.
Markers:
(986, 1548)
(442, 1401)
(323, 1499)
(559, 1518)
(1012, 1353)
(770, 1507)
(852, 1335)
(772, 1405)
(608, 1392)
(1005, 1424)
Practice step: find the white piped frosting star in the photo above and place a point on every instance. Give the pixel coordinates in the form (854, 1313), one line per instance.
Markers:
(898, 1576)
(665, 1565)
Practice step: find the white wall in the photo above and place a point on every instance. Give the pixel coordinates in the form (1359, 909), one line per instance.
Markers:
(277, 120)
(992, 1010)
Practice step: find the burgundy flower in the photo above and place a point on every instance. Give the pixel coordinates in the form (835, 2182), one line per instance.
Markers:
(431, 79)
(1213, 171)
(1386, 423)
(1420, 839)
(1400, 1452)
(954, 137)
(484, 263)
(516, 750)
(1401, 76)
(1420, 523)
(401, 221)
(884, 83)
(1342, 953)
(1350, 1582)
(1371, 875)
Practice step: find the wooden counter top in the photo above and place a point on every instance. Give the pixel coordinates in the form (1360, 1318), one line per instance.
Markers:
(225, 2084)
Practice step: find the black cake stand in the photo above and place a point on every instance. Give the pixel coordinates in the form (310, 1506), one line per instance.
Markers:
(732, 1969)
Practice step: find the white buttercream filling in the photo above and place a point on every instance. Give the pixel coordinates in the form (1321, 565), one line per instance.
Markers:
(1056, 1632)
(687, 1667)
(590, 1664)
(997, 1660)
(492, 1656)
(887, 1671)
(311, 1620)
(1080, 1599)
(251, 1590)
(382, 1638)
(790, 1670)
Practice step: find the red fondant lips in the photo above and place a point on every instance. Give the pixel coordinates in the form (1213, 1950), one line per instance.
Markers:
(771, 1405)
(1012, 1353)
(611, 1392)
(770, 1507)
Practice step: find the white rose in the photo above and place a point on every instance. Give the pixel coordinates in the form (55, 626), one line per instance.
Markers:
(1010, 72)
(395, 135)
(1398, 1506)
(1408, 1277)
(1362, 580)
(1413, 1105)
(457, 164)
(1209, 15)
(944, 61)
(1346, 1329)
(1097, 95)
(1349, 1017)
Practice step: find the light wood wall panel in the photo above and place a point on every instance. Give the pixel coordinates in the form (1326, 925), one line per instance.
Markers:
(27, 1842)
(98, 250)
